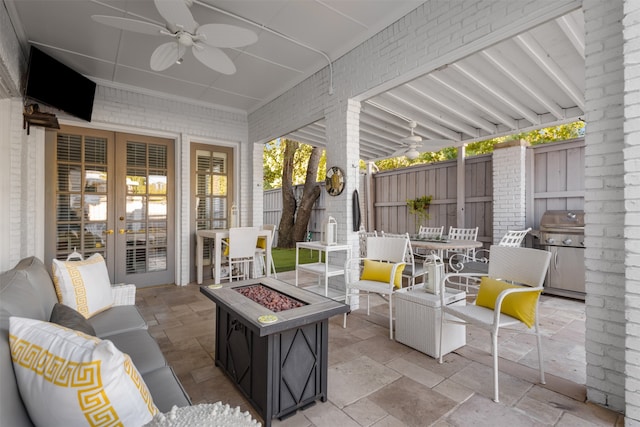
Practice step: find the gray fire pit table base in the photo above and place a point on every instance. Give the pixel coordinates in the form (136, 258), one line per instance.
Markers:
(280, 367)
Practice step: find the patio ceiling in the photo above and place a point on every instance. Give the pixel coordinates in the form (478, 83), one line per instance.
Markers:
(531, 81)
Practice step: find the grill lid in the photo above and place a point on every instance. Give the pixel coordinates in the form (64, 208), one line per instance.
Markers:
(562, 221)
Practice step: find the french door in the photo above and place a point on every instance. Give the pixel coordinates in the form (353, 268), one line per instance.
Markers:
(212, 194)
(112, 193)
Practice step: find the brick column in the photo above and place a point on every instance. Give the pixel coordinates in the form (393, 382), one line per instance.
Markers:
(509, 201)
(631, 67)
(604, 203)
(342, 121)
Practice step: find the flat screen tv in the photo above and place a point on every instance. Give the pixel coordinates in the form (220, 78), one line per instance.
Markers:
(53, 83)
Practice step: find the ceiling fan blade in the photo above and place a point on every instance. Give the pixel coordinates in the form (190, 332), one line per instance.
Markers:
(177, 14)
(222, 35)
(166, 55)
(130, 24)
(214, 58)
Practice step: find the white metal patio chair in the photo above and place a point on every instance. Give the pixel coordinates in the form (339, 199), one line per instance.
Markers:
(413, 268)
(462, 263)
(507, 297)
(242, 251)
(363, 234)
(377, 273)
(261, 250)
(430, 232)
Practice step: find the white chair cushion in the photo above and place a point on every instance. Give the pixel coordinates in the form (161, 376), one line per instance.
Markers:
(67, 378)
(83, 285)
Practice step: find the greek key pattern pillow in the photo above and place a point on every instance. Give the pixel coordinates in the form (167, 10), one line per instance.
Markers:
(83, 285)
(69, 378)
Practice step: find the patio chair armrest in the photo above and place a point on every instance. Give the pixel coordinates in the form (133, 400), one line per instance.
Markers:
(123, 294)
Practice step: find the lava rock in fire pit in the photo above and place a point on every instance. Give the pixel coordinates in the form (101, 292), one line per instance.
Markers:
(268, 298)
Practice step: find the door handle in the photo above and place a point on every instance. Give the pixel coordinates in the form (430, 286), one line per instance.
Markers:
(121, 231)
(108, 232)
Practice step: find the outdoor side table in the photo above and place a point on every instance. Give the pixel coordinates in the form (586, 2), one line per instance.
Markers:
(418, 320)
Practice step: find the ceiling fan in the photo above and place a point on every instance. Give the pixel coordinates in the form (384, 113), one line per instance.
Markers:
(413, 144)
(205, 40)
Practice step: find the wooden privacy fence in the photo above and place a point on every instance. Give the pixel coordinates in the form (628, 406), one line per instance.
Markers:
(555, 180)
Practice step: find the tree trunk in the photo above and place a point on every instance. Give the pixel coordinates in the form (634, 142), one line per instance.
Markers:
(310, 194)
(295, 219)
(287, 220)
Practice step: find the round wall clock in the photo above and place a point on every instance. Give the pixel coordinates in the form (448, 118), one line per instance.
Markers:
(334, 181)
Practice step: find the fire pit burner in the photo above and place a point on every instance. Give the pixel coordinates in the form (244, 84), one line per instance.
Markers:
(268, 298)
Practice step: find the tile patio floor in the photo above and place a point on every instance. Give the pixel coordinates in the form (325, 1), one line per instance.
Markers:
(373, 381)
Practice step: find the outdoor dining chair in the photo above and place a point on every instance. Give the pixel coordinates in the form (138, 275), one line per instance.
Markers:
(379, 273)
(506, 297)
(261, 250)
(430, 232)
(241, 251)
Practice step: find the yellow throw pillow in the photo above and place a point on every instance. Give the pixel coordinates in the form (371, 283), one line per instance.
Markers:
(379, 271)
(522, 306)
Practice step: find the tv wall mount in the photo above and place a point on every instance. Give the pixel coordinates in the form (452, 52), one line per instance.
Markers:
(32, 116)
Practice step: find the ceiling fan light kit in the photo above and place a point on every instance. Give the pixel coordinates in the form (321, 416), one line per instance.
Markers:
(205, 41)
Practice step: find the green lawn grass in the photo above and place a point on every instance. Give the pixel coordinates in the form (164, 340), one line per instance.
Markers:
(285, 259)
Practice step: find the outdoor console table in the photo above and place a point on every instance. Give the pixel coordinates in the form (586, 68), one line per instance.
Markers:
(322, 269)
(279, 365)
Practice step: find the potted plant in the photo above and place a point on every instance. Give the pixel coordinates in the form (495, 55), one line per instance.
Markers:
(420, 208)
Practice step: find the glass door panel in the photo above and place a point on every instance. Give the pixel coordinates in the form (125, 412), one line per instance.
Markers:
(212, 193)
(145, 226)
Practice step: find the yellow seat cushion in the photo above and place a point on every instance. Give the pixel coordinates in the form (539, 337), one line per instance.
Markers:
(379, 271)
(262, 243)
(522, 306)
(226, 247)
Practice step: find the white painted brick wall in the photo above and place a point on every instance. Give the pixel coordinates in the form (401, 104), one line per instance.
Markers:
(125, 111)
(631, 36)
(604, 203)
(509, 195)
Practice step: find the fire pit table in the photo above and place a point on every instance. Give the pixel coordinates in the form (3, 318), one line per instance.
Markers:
(278, 359)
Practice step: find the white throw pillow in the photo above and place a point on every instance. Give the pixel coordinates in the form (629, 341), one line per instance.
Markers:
(67, 378)
(83, 285)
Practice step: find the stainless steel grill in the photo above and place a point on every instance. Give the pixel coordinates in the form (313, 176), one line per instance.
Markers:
(562, 234)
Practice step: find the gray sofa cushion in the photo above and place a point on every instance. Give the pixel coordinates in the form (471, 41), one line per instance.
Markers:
(16, 298)
(40, 279)
(142, 348)
(69, 318)
(166, 389)
(116, 320)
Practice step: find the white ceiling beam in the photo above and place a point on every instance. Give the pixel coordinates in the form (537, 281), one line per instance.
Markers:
(420, 89)
(550, 67)
(376, 125)
(305, 138)
(467, 97)
(495, 91)
(417, 102)
(379, 111)
(409, 111)
(575, 35)
(524, 82)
